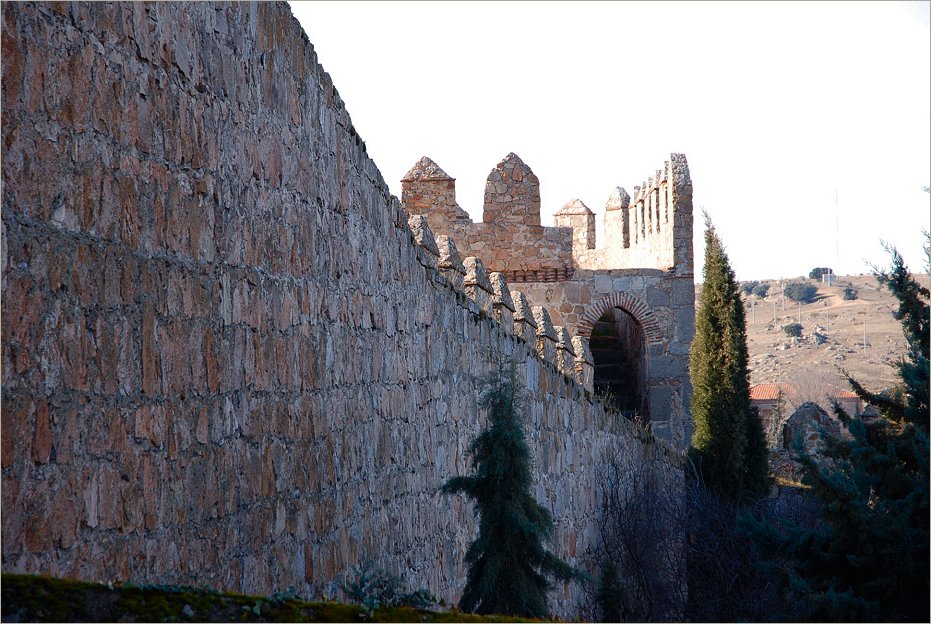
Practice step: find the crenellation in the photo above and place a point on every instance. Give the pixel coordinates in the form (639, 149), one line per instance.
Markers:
(512, 194)
(525, 325)
(502, 304)
(635, 270)
(584, 363)
(565, 355)
(546, 334)
(423, 238)
(428, 190)
(449, 262)
(476, 284)
(576, 215)
(617, 220)
(261, 378)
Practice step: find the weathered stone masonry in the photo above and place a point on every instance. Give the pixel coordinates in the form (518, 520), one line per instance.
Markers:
(643, 271)
(227, 356)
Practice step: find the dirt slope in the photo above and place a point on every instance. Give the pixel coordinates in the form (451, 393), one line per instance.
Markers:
(832, 337)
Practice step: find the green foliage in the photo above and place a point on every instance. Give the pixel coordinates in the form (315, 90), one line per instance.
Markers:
(27, 598)
(509, 568)
(797, 291)
(761, 290)
(817, 272)
(724, 441)
(372, 588)
(869, 559)
(748, 287)
(850, 293)
(793, 329)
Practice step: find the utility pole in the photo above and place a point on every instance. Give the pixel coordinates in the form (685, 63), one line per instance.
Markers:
(836, 232)
(800, 313)
(864, 335)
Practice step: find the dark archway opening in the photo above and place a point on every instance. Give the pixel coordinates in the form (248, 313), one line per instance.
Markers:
(618, 346)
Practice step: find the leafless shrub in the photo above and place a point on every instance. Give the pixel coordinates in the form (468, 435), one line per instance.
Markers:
(725, 580)
(640, 557)
(670, 550)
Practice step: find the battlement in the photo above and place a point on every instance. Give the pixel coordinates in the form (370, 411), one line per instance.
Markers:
(651, 230)
(635, 286)
(230, 359)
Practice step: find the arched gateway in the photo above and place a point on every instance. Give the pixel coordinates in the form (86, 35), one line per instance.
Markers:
(620, 328)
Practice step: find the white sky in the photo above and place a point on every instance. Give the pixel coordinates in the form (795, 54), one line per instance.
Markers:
(774, 104)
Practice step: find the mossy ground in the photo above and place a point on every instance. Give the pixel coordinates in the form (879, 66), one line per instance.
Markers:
(27, 598)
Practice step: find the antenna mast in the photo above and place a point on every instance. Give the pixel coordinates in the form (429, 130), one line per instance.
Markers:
(836, 233)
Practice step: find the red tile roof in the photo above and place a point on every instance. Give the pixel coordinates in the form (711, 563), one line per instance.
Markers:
(839, 393)
(767, 391)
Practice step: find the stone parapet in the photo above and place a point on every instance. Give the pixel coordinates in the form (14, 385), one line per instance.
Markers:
(512, 193)
(423, 238)
(546, 334)
(525, 326)
(428, 190)
(477, 285)
(501, 302)
(565, 355)
(449, 263)
(224, 359)
(576, 215)
(584, 363)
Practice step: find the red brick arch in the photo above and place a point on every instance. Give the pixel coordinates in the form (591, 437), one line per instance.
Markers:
(630, 304)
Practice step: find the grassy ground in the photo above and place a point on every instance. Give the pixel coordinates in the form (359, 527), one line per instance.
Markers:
(28, 598)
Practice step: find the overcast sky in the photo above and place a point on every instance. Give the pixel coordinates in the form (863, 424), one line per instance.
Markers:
(775, 105)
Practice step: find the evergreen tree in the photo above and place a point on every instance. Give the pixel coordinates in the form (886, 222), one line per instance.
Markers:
(728, 441)
(870, 559)
(509, 568)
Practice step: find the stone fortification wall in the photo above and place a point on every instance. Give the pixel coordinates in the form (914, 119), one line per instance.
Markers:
(510, 239)
(663, 305)
(652, 230)
(227, 357)
(645, 268)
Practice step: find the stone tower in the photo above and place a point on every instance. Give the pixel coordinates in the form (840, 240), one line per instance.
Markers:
(632, 296)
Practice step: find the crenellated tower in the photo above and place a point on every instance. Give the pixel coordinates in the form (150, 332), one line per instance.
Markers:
(630, 297)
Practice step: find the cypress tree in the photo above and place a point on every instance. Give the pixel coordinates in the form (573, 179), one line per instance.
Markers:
(728, 442)
(869, 559)
(509, 568)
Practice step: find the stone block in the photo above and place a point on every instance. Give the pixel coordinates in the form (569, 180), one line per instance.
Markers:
(657, 297)
(477, 285)
(683, 292)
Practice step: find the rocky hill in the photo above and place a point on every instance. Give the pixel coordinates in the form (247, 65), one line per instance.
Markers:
(859, 335)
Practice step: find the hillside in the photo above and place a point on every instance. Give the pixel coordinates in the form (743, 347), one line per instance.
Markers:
(832, 336)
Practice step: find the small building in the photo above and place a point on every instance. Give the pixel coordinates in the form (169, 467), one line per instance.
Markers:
(852, 404)
(766, 397)
(771, 400)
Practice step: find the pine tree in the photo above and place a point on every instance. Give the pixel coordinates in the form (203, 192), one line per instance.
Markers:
(509, 568)
(728, 441)
(869, 560)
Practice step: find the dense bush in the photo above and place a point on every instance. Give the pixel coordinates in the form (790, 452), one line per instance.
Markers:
(373, 588)
(748, 287)
(817, 272)
(850, 293)
(793, 329)
(867, 561)
(801, 292)
(761, 290)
